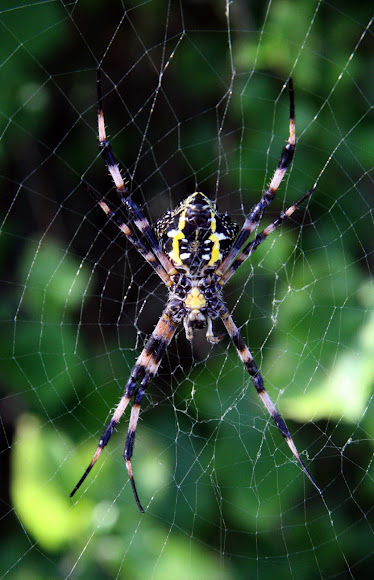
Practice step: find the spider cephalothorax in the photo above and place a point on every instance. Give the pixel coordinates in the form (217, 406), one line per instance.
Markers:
(194, 250)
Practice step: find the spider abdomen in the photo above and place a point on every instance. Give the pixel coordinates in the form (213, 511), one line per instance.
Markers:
(195, 236)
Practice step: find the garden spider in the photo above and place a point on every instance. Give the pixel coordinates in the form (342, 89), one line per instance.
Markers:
(195, 250)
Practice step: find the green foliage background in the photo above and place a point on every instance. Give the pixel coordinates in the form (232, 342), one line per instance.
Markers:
(221, 490)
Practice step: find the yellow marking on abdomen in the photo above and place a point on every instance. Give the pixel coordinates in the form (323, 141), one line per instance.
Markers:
(174, 254)
(215, 254)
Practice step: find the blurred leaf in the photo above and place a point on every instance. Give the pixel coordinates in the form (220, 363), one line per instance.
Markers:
(55, 281)
(345, 392)
(40, 486)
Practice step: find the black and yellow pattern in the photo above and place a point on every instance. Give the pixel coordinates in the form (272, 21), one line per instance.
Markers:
(195, 236)
(195, 250)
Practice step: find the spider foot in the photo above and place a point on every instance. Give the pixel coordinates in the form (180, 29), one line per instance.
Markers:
(129, 469)
(94, 459)
(292, 446)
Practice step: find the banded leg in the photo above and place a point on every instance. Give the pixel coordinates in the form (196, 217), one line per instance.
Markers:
(147, 254)
(145, 367)
(140, 220)
(258, 383)
(257, 212)
(152, 369)
(253, 245)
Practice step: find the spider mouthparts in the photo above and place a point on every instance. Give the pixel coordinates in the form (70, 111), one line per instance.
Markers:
(215, 339)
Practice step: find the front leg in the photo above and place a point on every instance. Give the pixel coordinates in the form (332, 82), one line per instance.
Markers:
(258, 382)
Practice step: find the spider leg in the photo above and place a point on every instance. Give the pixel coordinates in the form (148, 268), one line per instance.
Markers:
(140, 220)
(162, 343)
(147, 254)
(253, 245)
(258, 383)
(257, 212)
(145, 367)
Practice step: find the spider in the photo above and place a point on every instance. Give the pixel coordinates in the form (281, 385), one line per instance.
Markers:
(195, 250)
